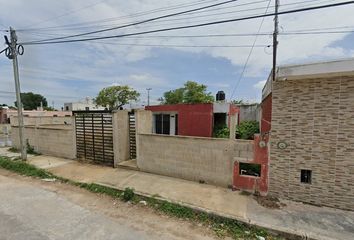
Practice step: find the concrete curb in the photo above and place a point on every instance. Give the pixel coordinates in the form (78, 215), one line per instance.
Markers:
(288, 234)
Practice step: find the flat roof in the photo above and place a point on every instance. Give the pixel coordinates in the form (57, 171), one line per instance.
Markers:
(335, 68)
(343, 67)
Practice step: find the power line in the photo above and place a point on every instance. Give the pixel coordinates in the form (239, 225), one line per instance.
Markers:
(3, 50)
(192, 26)
(162, 9)
(178, 19)
(141, 22)
(250, 53)
(314, 31)
(69, 13)
(134, 15)
(186, 46)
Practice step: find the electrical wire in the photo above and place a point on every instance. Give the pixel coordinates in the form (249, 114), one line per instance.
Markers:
(3, 50)
(185, 46)
(192, 26)
(178, 19)
(162, 9)
(141, 22)
(68, 13)
(249, 54)
(134, 15)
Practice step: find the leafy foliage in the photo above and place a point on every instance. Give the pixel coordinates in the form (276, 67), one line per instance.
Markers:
(116, 96)
(192, 92)
(30, 149)
(31, 101)
(221, 131)
(240, 101)
(49, 109)
(128, 194)
(174, 96)
(247, 129)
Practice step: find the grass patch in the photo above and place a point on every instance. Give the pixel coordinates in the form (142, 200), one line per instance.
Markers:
(23, 168)
(220, 225)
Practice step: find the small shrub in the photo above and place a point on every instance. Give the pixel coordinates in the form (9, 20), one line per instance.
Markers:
(30, 149)
(221, 131)
(247, 129)
(128, 194)
(14, 150)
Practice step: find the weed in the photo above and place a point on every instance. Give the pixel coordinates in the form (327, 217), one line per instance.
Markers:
(13, 149)
(30, 149)
(128, 194)
(245, 193)
(23, 168)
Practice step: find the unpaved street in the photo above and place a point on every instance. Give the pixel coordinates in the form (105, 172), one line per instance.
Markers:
(36, 210)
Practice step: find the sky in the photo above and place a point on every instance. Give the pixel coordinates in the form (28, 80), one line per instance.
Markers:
(70, 72)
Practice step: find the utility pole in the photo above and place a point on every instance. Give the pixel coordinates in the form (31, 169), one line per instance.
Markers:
(149, 89)
(13, 51)
(275, 39)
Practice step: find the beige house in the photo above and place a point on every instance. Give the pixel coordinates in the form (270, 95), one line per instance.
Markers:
(312, 133)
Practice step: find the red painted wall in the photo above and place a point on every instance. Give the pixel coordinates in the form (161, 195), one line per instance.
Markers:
(251, 183)
(193, 119)
(266, 114)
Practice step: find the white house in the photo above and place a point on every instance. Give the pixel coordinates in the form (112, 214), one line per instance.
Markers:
(87, 104)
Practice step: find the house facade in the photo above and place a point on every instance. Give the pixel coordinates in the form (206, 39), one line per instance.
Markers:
(191, 119)
(309, 111)
(86, 105)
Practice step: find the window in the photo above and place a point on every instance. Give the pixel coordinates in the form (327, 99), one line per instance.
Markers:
(250, 169)
(87, 108)
(66, 108)
(162, 124)
(306, 176)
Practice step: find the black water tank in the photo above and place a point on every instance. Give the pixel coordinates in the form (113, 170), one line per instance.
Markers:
(220, 96)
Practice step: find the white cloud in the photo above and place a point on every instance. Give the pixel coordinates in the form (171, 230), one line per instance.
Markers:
(260, 84)
(95, 62)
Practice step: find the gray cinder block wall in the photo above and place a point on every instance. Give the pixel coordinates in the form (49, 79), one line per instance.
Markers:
(57, 141)
(315, 118)
(192, 158)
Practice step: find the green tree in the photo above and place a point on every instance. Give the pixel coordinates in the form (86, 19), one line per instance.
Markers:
(237, 101)
(31, 101)
(49, 109)
(192, 92)
(174, 96)
(116, 96)
(247, 129)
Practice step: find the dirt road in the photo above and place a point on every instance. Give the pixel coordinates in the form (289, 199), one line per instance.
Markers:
(34, 209)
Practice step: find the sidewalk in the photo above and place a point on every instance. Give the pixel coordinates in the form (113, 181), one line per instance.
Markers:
(296, 218)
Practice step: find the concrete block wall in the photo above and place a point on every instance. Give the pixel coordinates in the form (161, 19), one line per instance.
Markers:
(52, 140)
(41, 120)
(192, 158)
(315, 118)
(120, 136)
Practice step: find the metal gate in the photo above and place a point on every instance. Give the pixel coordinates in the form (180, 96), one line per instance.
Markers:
(132, 135)
(94, 137)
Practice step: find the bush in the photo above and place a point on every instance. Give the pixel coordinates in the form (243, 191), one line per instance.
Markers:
(247, 129)
(221, 131)
(128, 194)
(30, 149)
